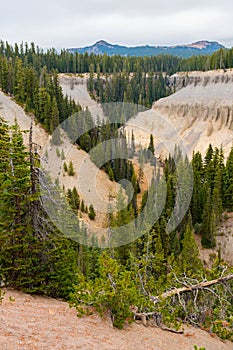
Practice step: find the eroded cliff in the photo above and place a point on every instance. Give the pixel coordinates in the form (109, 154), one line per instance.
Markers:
(200, 112)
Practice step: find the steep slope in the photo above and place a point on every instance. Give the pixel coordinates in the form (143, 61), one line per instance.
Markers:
(76, 87)
(202, 47)
(94, 185)
(33, 322)
(199, 113)
(12, 112)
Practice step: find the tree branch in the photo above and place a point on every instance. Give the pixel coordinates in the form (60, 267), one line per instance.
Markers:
(201, 285)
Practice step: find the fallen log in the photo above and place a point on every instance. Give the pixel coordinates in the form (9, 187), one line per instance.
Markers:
(201, 285)
(157, 317)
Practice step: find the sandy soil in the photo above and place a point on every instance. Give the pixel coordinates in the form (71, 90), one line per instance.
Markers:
(76, 88)
(38, 323)
(12, 112)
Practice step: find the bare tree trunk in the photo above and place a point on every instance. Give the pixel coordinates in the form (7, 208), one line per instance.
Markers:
(201, 285)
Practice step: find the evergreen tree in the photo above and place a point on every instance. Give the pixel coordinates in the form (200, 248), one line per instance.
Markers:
(19, 86)
(73, 198)
(71, 171)
(189, 258)
(82, 206)
(62, 155)
(91, 213)
(14, 203)
(228, 182)
(56, 139)
(208, 227)
(198, 195)
(65, 167)
(164, 237)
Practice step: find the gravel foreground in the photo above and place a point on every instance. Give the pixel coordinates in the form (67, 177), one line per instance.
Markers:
(39, 323)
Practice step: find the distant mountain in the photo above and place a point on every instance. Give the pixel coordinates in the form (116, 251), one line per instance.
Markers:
(198, 48)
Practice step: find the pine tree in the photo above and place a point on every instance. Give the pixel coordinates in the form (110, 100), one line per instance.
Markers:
(208, 227)
(217, 195)
(54, 123)
(198, 195)
(15, 229)
(164, 237)
(75, 198)
(4, 75)
(228, 182)
(19, 86)
(189, 257)
(62, 155)
(82, 206)
(91, 213)
(91, 79)
(132, 146)
(65, 167)
(151, 149)
(71, 171)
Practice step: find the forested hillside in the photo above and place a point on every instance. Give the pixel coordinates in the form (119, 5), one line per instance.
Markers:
(202, 47)
(140, 279)
(25, 69)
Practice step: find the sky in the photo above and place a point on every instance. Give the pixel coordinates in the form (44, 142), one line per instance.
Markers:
(75, 23)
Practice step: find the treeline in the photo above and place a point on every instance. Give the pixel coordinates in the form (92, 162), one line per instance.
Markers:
(139, 88)
(212, 191)
(38, 92)
(65, 62)
(221, 59)
(30, 75)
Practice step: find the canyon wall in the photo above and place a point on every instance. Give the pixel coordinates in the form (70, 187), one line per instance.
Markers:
(199, 112)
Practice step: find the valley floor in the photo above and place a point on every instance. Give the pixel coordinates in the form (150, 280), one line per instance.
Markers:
(39, 323)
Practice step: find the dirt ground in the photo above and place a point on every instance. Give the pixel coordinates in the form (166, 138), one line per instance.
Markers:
(39, 323)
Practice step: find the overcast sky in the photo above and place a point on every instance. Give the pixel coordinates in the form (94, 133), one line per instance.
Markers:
(75, 23)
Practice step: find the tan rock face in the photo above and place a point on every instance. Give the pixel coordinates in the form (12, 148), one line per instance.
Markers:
(182, 79)
(200, 111)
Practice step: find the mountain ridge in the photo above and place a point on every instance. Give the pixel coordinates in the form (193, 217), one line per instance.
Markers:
(182, 50)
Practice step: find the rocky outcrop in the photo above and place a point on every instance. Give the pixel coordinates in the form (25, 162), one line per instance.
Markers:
(182, 79)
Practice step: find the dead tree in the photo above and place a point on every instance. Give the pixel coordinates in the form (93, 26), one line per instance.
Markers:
(188, 287)
(198, 286)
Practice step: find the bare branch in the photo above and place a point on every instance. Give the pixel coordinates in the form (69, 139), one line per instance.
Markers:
(201, 285)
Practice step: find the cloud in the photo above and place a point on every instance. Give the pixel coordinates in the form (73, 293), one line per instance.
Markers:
(65, 23)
